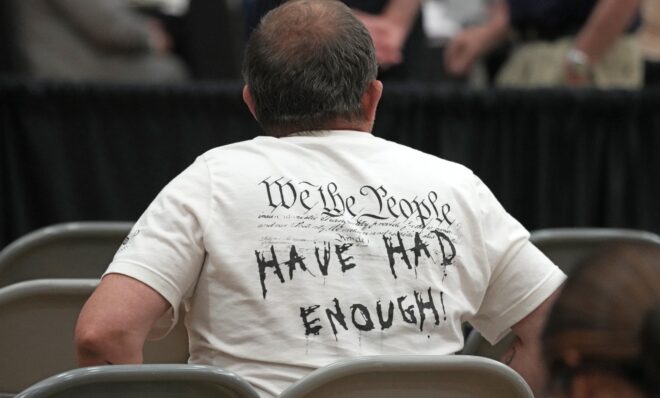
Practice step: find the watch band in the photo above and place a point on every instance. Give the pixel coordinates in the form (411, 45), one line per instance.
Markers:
(579, 63)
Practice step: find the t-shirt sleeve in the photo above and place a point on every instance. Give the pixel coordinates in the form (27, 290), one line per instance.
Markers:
(165, 249)
(521, 276)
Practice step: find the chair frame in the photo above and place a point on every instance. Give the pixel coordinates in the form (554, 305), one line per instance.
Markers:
(47, 236)
(475, 344)
(139, 373)
(170, 349)
(552, 235)
(405, 364)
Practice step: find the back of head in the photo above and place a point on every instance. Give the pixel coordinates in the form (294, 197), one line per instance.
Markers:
(607, 319)
(307, 64)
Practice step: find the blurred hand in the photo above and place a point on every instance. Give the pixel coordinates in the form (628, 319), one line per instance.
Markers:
(574, 79)
(159, 40)
(388, 36)
(464, 50)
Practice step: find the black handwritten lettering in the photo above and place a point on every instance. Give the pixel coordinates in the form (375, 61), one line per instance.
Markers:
(421, 306)
(309, 328)
(304, 195)
(323, 266)
(433, 197)
(350, 201)
(379, 205)
(337, 200)
(263, 264)
(408, 314)
(361, 318)
(294, 259)
(391, 202)
(422, 210)
(391, 250)
(442, 301)
(340, 249)
(448, 253)
(419, 247)
(385, 324)
(407, 204)
(337, 315)
(446, 209)
(368, 323)
(282, 199)
(377, 192)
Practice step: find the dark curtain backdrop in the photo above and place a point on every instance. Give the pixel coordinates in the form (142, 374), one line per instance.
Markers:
(554, 158)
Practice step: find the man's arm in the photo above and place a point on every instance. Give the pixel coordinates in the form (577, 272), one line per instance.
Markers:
(524, 355)
(114, 323)
(389, 30)
(608, 20)
(472, 43)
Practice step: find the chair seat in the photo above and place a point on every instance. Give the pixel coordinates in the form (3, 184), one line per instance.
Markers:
(411, 376)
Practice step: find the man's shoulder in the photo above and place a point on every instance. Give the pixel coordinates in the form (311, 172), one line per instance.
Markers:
(417, 156)
(235, 147)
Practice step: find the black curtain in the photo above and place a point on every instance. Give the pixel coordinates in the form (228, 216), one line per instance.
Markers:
(73, 152)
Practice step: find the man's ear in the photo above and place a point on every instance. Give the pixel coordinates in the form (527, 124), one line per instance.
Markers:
(370, 100)
(247, 98)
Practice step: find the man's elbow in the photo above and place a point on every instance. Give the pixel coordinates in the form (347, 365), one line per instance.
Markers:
(100, 346)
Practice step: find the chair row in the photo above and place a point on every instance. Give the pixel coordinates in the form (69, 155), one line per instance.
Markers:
(42, 312)
(415, 376)
(37, 322)
(566, 247)
(84, 249)
(36, 341)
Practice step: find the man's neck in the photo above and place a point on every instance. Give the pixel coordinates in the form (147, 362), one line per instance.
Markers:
(361, 126)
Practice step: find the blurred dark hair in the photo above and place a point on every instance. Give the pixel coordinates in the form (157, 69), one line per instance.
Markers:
(308, 63)
(608, 317)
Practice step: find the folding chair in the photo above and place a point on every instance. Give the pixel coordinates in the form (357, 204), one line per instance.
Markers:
(143, 381)
(37, 321)
(411, 376)
(71, 250)
(566, 247)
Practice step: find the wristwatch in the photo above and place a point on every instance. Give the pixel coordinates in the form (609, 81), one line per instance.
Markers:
(578, 63)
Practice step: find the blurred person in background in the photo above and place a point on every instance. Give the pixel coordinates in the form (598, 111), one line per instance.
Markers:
(83, 40)
(207, 35)
(602, 337)
(557, 42)
(443, 20)
(649, 40)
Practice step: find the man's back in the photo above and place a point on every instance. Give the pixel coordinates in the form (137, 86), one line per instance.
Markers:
(293, 252)
(316, 247)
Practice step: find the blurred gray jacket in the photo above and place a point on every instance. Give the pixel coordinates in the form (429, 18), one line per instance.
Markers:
(89, 40)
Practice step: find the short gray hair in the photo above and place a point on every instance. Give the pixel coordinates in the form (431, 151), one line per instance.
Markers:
(308, 63)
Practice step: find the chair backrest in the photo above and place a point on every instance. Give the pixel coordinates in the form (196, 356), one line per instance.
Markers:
(37, 321)
(566, 247)
(411, 376)
(70, 250)
(143, 381)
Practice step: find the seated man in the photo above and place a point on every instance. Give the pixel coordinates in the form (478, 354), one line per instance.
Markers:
(559, 43)
(319, 241)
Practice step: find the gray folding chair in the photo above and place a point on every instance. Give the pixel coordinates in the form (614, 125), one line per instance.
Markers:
(566, 247)
(143, 381)
(37, 320)
(411, 376)
(71, 250)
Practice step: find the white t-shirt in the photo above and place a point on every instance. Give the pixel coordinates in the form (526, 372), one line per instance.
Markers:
(289, 254)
